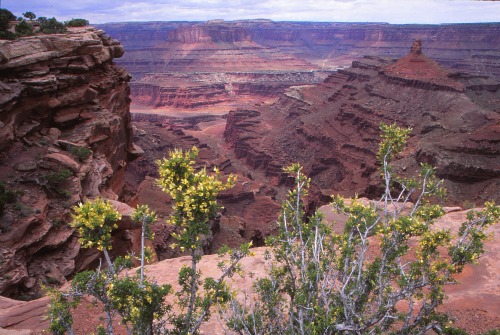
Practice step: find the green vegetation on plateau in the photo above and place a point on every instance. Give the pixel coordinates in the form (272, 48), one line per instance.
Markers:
(30, 26)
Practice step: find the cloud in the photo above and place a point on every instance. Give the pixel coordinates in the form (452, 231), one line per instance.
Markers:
(393, 11)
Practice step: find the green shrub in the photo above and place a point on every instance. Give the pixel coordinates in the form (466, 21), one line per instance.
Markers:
(468, 205)
(94, 221)
(54, 182)
(318, 281)
(59, 311)
(454, 331)
(57, 178)
(137, 300)
(7, 35)
(23, 210)
(493, 332)
(195, 205)
(58, 222)
(321, 282)
(29, 15)
(24, 28)
(80, 153)
(6, 197)
(139, 303)
(5, 17)
(51, 26)
(76, 23)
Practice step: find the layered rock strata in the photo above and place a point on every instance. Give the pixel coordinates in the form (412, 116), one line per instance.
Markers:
(218, 64)
(155, 47)
(64, 137)
(191, 90)
(332, 128)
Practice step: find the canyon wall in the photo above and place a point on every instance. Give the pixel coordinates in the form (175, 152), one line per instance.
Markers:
(333, 128)
(64, 137)
(213, 63)
(154, 47)
(204, 89)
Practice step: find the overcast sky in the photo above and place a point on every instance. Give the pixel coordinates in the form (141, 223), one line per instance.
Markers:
(392, 11)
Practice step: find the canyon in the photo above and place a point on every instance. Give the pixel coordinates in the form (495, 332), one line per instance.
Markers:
(287, 87)
(332, 128)
(229, 63)
(253, 96)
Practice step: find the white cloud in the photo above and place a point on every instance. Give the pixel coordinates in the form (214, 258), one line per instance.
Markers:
(393, 11)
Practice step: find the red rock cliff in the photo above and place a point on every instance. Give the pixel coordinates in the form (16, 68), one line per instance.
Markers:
(332, 128)
(64, 137)
(225, 46)
(180, 61)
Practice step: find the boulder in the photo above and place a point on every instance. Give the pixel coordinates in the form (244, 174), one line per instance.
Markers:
(56, 161)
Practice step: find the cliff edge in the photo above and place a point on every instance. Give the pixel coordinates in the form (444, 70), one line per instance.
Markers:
(65, 136)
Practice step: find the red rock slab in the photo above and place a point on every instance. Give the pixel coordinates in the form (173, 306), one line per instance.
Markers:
(23, 315)
(479, 284)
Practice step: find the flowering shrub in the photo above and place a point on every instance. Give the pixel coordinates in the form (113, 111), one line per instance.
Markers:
(195, 204)
(138, 301)
(94, 222)
(385, 273)
(194, 194)
(139, 304)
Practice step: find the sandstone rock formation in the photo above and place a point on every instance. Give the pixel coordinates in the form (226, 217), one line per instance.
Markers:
(190, 65)
(65, 98)
(332, 128)
(416, 48)
(191, 90)
(64, 137)
(218, 46)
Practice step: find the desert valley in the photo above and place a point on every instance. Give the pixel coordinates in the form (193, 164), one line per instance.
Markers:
(254, 96)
